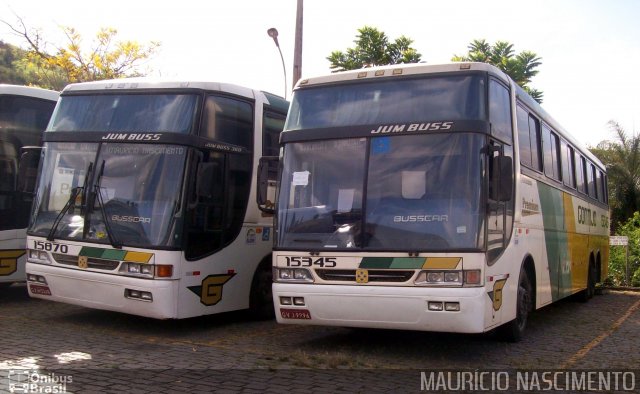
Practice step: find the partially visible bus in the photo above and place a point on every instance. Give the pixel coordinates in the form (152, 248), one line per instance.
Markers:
(24, 114)
(146, 199)
(432, 197)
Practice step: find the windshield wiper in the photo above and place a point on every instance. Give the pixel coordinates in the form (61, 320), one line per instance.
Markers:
(97, 195)
(71, 202)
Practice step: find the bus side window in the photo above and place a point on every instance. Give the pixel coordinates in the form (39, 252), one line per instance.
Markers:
(228, 120)
(500, 112)
(218, 203)
(272, 125)
(536, 143)
(523, 136)
(591, 176)
(551, 154)
(580, 173)
(605, 194)
(569, 168)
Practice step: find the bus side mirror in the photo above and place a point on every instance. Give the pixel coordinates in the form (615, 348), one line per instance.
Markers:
(267, 176)
(28, 170)
(501, 178)
(209, 180)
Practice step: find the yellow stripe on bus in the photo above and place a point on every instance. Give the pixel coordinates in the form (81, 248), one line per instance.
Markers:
(445, 263)
(138, 257)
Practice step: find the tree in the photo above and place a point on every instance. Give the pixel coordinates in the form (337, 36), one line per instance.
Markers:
(622, 159)
(107, 59)
(521, 67)
(618, 256)
(373, 48)
(9, 54)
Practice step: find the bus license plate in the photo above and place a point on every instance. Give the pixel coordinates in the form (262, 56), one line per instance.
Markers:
(301, 314)
(39, 290)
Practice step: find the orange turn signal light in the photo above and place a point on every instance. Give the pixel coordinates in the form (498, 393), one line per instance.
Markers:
(164, 271)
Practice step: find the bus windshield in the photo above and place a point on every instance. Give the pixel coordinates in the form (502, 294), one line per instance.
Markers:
(22, 121)
(440, 98)
(110, 193)
(126, 113)
(422, 193)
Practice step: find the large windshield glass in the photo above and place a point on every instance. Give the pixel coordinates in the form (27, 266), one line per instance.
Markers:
(126, 113)
(22, 121)
(439, 98)
(320, 199)
(125, 194)
(423, 192)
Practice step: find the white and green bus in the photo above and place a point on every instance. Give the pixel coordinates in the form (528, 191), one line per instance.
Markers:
(435, 198)
(24, 114)
(146, 200)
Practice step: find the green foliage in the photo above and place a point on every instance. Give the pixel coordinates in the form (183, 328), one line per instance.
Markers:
(635, 280)
(9, 54)
(521, 67)
(617, 255)
(107, 58)
(373, 48)
(622, 159)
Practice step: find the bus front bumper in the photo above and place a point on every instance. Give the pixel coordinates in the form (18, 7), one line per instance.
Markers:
(104, 291)
(404, 308)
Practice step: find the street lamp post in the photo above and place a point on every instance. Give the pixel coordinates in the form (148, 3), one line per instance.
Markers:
(273, 33)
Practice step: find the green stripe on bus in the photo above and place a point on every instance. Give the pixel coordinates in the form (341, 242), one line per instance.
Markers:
(392, 262)
(112, 254)
(376, 262)
(408, 262)
(99, 253)
(556, 240)
(91, 252)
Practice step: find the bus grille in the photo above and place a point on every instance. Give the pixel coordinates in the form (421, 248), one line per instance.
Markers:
(100, 264)
(374, 275)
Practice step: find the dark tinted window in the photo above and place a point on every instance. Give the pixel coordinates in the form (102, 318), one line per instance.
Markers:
(388, 101)
(22, 121)
(219, 196)
(134, 113)
(581, 174)
(591, 176)
(523, 136)
(500, 112)
(272, 125)
(228, 120)
(551, 148)
(536, 143)
(605, 193)
(569, 166)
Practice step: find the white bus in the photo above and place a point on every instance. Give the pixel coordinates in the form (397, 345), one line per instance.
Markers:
(435, 198)
(146, 199)
(24, 114)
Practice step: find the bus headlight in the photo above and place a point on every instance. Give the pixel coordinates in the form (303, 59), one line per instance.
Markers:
(293, 275)
(448, 278)
(38, 256)
(137, 269)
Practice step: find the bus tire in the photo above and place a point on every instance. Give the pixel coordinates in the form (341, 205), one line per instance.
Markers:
(588, 293)
(513, 331)
(261, 297)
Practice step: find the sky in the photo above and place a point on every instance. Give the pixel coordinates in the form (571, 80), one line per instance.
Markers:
(589, 49)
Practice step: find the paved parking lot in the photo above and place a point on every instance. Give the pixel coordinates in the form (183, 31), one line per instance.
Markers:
(82, 350)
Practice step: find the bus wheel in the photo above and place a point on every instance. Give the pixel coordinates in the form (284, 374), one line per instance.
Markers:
(513, 331)
(261, 298)
(586, 294)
